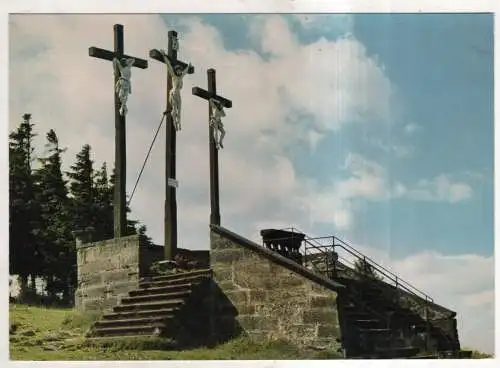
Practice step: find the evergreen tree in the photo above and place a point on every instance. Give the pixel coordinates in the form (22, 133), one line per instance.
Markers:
(103, 205)
(133, 226)
(23, 210)
(82, 191)
(142, 230)
(364, 268)
(56, 246)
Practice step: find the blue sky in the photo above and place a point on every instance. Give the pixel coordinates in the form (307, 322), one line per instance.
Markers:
(441, 69)
(375, 128)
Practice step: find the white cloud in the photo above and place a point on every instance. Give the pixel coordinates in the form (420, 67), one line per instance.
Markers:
(367, 179)
(440, 188)
(412, 128)
(463, 283)
(400, 151)
(338, 23)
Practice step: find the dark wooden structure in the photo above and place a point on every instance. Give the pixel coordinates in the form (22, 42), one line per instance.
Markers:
(213, 152)
(286, 243)
(170, 150)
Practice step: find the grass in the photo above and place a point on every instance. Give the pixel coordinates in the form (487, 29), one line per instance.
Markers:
(38, 333)
(478, 355)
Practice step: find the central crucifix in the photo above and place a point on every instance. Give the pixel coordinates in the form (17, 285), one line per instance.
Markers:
(176, 71)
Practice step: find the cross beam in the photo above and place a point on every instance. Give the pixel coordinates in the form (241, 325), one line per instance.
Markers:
(120, 187)
(211, 93)
(170, 225)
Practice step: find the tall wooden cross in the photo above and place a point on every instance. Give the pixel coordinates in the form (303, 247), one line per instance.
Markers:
(213, 151)
(170, 225)
(119, 204)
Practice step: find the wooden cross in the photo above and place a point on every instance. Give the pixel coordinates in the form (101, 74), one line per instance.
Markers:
(214, 153)
(170, 149)
(119, 204)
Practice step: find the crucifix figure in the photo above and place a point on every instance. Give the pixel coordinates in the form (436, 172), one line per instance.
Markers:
(215, 114)
(121, 91)
(176, 72)
(123, 87)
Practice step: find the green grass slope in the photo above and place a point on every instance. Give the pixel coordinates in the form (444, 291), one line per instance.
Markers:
(38, 333)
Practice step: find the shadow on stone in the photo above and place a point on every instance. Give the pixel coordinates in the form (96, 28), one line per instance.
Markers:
(208, 318)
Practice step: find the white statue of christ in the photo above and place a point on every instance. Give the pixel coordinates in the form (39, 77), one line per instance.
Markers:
(177, 74)
(217, 113)
(123, 86)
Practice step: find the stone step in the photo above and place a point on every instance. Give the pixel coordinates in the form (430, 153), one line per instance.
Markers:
(149, 306)
(123, 322)
(155, 297)
(152, 283)
(161, 312)
(181, 275)
(161, 289)
(127, 330)
(396, 353)
(355, 315)
(375, 330)
(368, 323)
(390, 353)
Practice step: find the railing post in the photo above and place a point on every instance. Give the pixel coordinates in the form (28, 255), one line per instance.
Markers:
(427, 326)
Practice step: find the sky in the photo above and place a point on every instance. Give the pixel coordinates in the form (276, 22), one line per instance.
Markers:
(376, 128)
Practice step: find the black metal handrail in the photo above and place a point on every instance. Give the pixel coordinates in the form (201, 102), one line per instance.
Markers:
(337, 242)
(398, 281)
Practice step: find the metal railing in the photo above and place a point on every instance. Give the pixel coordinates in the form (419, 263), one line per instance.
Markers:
(332, 242)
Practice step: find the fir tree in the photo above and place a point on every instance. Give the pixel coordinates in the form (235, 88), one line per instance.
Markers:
(82, 191)
(131, 224)
(103, 205)
(23, 209)
(364, 268)
(56, 245)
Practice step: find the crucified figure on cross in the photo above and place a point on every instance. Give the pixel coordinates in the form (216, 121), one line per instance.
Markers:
(177, 74)
(123, 87)
(217, 113)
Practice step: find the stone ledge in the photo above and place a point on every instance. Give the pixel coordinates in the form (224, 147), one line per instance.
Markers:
(108, 241)
(276, 258)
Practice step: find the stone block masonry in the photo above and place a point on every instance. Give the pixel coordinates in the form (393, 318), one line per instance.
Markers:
(109, 269)
(274, 297)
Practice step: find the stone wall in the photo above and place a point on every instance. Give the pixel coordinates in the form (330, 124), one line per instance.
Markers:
(109, 269)
(201, 256)
(272, 296)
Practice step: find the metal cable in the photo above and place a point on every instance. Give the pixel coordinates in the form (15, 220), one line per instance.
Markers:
(146, 159)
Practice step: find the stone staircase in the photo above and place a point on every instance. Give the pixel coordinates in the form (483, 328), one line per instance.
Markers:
(378, 326)
(155, 309)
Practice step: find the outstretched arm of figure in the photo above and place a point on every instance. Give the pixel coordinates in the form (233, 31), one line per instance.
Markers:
(130, 62)
(185, 71)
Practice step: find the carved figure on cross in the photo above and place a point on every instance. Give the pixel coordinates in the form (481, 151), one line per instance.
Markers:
(123, 86)
(177, 74)
(216, 115)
